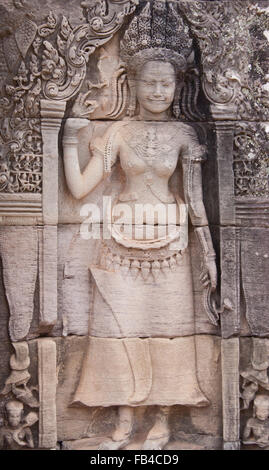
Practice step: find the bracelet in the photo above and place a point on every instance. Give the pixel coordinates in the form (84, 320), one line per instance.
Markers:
(70, 140)
(210, 256)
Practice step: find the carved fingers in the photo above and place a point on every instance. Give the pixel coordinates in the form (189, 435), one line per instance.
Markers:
(209, 274)
(204, 278)
(212, 269)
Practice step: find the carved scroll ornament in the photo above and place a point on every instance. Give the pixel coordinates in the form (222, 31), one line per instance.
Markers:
(227, 37)
(65, 69)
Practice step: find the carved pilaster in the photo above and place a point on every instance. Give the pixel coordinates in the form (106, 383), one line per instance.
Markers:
(230, 393)
(224, 140)
(47, 277)
(47, 380)
(52, 113)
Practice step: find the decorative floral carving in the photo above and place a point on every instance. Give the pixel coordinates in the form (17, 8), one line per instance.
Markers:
(255, 387)
(15, 429)
(217, 37)
(20, 135)
(64, 70)
(16, 384)
(54, 64)
(20, 155)
(230, 34)
(251, 160)
(49, 27)
(254, 101)
(229, 42)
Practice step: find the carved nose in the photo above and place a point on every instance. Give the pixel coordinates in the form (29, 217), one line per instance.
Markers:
(157, 91)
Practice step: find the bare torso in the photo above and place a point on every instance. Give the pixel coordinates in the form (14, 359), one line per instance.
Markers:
(148, 154)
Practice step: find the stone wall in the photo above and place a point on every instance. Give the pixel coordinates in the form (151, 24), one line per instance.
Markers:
(64, 61)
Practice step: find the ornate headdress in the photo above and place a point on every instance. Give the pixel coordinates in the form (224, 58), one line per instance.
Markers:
(158, 32)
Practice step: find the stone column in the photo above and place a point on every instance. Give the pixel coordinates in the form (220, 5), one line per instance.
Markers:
(47, 380)
(225, 116)
(52, 113)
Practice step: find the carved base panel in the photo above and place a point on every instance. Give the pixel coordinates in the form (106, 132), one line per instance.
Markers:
(80, 427)
(51, 371)
(134, 225)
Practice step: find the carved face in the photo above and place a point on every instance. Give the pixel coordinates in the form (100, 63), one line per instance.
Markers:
(14, 417)
(155, 87)
(261, 405)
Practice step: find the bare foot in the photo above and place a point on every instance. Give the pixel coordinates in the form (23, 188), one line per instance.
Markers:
(114, 445)
(156, 443)
(122, 434)
(159, 434)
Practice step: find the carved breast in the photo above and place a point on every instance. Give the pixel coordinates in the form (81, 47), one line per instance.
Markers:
(147, 148)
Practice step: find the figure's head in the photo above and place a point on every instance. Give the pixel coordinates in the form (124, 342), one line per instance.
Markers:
(155, 86)
(261, 407)
(158, 44)
(155, 83)
(14, 409)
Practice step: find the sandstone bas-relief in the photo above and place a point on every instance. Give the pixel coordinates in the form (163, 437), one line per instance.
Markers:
(152, 269)
(15, 432)
(79, 70)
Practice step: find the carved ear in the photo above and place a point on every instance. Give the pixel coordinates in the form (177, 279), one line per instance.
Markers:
(176, 101)
(132, 98)
(190, 59)
(254, 411)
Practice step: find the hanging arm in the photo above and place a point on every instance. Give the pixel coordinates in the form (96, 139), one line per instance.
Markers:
(193, 154)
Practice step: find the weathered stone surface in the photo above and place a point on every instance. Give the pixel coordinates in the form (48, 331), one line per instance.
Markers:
(254, 259)
(254, 364)
(19, 246)
(93, 426)
(230, 280)
(76, 255)
(47, 379)
(230, 356)
(17, 397)
(111, 105)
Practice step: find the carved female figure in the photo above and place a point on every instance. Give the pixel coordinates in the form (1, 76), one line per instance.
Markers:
(16, 432)
(141, 336)
(257, 428)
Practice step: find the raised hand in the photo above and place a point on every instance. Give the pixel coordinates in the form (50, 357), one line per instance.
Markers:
(84, 106)
(73, 125)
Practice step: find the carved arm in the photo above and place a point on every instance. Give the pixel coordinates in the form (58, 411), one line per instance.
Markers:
(29, 438)
(192, 178)
(80, 184)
